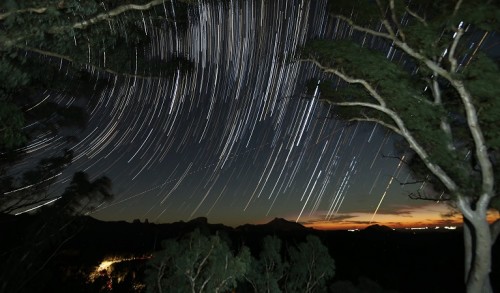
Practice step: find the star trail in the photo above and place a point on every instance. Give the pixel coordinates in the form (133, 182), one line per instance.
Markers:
(234, 139)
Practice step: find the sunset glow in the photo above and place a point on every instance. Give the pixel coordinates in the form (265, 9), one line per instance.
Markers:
(430, 215)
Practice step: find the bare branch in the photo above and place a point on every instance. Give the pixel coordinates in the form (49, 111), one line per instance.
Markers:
(436, 90)
(378, 121)
(471, 115)
(416, 16)
(363, 29)
(316, 282)
(419, 196)
(478, 137)
(410, 183)
(384, 20)
(69, 59)
(395, 20)
(445, 126)
(404, 132)
(203, 261)
(30, 10)
(457, 7)
(397, 158)
(83, 24)
(400, 44)
(348, 79)
(464, 207)
(115, 12)
(451, 54)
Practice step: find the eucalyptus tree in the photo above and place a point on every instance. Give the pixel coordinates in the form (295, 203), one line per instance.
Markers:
(310, 267)
(269, 270)
(423, 70)
(197, 263)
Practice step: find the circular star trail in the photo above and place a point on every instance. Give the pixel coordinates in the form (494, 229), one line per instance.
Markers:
(233, 139)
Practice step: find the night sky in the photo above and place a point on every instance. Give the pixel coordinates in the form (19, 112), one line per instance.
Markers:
(233, 140)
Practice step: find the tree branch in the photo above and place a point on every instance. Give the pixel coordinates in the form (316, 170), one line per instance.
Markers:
(395, 20)
(349, 79)
(98, 68)
(416, 16)
(418, 196)
(404, 132)
(471, 114)
(478, 138)
(83, 24)
(363, 29)
(316, 282)
(451, 54)
(464, 207)
(457, 7)
(115, 12)
(378, 121)
(40, 10)
(205, 283)
(400, 44)
(202, 263)
(445, 126)
(397, 158)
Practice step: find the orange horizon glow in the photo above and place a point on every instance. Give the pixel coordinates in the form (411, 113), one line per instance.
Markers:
(430, 215)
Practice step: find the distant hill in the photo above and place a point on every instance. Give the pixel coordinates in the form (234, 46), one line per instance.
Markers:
(284, 225)
(378, 228)
(277, 224)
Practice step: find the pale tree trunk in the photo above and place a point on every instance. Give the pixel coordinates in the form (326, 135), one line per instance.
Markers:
(478, 242)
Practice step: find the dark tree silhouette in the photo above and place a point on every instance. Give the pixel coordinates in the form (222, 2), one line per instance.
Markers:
(25, 266)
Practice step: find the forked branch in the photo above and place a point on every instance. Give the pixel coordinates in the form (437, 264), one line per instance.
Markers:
(399, 124)
(466, 98)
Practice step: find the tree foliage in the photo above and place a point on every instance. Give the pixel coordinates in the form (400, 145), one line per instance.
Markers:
(55, 57)
(51, 46)
(310, 266)
(425, 70)
(303, 268)
(197, 263)
(269, 269)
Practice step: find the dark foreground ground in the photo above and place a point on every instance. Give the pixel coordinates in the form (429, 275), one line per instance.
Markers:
(402, 261)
